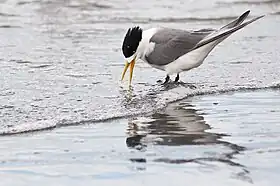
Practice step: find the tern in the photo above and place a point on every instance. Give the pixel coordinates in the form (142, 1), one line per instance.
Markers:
(175, 50)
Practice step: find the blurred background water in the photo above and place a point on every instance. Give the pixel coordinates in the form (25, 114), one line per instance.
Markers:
(61, 63)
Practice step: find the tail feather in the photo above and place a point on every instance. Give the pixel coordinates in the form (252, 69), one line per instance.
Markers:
(220, 36)
(237, 21)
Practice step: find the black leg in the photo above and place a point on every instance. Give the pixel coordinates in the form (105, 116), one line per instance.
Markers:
(167, 78)
(177, 78)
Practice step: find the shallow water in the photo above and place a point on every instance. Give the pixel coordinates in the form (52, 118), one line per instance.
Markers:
(229, 139)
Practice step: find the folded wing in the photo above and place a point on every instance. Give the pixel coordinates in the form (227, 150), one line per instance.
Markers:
(171, 44)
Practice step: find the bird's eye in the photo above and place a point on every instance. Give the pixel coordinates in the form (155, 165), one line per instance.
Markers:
(128, 46)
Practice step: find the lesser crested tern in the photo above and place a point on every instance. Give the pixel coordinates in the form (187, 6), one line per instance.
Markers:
(175, 50)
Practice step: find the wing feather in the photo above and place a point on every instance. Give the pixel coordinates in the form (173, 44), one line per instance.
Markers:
(170, 44)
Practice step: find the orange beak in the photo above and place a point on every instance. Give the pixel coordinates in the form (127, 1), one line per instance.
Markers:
(131, 64)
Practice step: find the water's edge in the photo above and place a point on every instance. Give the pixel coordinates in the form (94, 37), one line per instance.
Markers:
(53, 124)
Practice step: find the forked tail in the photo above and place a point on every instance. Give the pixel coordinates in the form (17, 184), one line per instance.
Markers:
(227, 30)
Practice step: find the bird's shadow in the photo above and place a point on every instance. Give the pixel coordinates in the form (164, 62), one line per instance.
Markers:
(173, 84)
(159, 86)
(147, 94)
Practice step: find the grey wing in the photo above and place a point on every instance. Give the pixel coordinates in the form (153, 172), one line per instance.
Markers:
(170, 44)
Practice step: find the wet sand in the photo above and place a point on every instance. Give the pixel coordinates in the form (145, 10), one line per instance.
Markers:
(60, 70)
(61, 60)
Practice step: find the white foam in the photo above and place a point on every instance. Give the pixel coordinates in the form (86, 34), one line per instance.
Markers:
(29, 127)
(145, 102)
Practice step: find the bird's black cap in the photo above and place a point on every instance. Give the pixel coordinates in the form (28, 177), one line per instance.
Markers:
(131, 41)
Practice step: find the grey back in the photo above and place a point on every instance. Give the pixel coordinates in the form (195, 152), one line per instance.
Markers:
(170, 44)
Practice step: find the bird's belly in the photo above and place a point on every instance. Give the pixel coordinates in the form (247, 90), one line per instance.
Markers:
(190, 60)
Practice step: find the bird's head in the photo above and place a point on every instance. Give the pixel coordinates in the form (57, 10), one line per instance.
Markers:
(129, 47)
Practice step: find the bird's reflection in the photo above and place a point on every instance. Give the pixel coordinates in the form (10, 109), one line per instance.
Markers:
(177, 125)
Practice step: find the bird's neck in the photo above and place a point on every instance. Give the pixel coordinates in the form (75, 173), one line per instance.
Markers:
(145, 46)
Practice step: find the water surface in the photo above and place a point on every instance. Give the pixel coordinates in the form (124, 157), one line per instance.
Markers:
(229, 139)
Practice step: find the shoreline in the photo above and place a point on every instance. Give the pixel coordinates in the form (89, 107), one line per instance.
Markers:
(58, 124)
